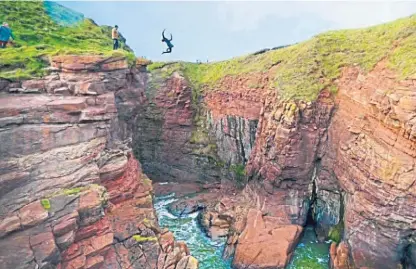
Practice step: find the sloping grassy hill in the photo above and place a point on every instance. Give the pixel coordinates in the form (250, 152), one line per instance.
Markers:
(304, 69)
(43, 29)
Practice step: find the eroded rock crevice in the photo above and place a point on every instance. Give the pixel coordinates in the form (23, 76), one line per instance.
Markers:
(327, 207)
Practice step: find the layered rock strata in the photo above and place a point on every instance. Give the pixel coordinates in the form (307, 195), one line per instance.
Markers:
(72, 194)
(165, 139)
(346, 159)
(370, 154)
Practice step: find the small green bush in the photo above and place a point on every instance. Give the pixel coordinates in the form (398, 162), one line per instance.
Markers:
(239, 172)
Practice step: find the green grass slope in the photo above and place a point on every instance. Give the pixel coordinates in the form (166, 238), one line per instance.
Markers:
(304, 69)
(42, 30)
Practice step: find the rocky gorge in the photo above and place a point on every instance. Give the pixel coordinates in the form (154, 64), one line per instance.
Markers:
(305, 159)
(260, 147)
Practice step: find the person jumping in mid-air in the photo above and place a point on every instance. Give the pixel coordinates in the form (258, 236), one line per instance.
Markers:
(168, 42)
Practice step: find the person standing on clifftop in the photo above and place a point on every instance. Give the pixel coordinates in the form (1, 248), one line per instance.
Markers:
(5, 35)
(115, 36)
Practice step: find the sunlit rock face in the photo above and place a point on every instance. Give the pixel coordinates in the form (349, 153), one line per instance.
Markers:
(348, 158)
(72, 194)
(74, 144)
(371, 154)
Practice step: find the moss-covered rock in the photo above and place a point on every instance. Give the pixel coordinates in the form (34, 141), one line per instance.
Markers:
(335, 232)
(140, 239)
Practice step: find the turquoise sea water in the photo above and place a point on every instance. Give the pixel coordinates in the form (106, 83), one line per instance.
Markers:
(309, 254)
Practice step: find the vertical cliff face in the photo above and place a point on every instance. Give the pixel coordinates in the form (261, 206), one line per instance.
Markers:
(286, 152)
(371, 153)
(232, 118)
(72, 195)
(179, 138)
(166, 139)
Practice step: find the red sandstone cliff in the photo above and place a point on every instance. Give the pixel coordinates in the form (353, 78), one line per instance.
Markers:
(348, 159)
(72, 195)
(371, 151)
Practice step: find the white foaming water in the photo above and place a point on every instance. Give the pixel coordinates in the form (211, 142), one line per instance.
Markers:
(308, 254)
(186, 228)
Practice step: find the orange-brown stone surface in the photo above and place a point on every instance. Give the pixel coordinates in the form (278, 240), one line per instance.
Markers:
(263, 244)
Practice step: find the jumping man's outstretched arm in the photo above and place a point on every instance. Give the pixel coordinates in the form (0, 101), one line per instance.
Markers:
(163, 34)
(170, 37)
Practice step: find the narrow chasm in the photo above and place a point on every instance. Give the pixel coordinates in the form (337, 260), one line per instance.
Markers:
(197, 156)
(311, 252)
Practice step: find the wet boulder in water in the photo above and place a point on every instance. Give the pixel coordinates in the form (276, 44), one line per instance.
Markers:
(263, 244)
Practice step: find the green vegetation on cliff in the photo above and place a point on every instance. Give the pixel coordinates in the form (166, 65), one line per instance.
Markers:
(43, 29)
(141, 239)
(301, 71)
(335, 232)
(46, 204)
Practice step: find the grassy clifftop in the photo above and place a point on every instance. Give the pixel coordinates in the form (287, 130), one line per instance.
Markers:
(43, 29)
(304, 69)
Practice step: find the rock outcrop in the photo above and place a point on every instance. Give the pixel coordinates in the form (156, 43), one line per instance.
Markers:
(72, 194)
(265, 244)
(339, 256)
